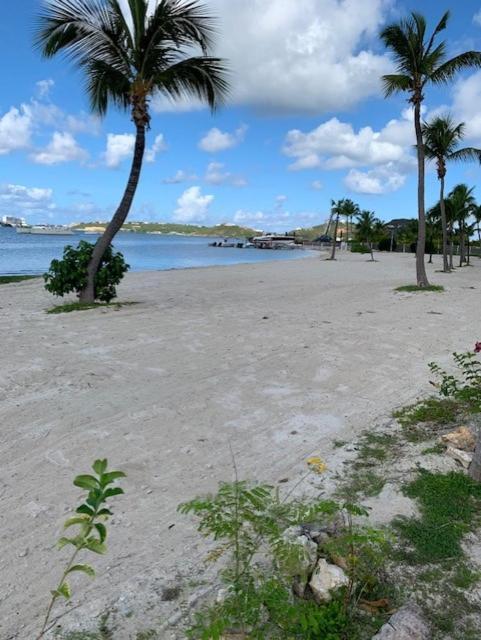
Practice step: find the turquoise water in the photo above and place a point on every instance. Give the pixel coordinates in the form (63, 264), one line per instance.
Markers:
(23, 253)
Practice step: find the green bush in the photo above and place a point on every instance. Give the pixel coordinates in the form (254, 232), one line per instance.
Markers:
(70, 274)
(357, 247)
(385, 244)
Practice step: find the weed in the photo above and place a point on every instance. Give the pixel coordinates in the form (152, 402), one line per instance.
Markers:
(449, 505)
(436, 449)
(338, 444)
(420, 420)
(85, 306)
(412, 288)
(464, 578)
(92, 532)
(361, 483)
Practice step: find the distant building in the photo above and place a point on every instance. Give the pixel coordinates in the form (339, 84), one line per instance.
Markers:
(11, 221)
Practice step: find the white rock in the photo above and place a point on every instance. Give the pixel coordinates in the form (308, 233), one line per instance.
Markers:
(406, 624)
(460, 456)
(326, 578)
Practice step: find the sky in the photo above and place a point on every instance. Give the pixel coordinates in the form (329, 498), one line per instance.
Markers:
(306, 122)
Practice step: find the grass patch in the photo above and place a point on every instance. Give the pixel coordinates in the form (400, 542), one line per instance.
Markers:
(12, 279)
(412, 288)
(362, 483)
(430, 412)
(436, 449)
(449, 505)
(86, 306)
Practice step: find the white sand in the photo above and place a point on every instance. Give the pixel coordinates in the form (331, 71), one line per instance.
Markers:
(164, 388)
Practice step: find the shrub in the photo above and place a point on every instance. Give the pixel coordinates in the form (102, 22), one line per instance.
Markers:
(385, 244)
(70, 273)
(357, 247)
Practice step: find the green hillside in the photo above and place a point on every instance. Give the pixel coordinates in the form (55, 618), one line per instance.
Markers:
(224, 230)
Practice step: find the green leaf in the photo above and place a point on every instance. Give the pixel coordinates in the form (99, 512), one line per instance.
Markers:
(85, 509)
(85, 568)
(81, 519)
(102, 531)
(100, 466)
(63, 542)
(63, 591)
(108, 478)
(86, 482)
(95, 545)
(115, 491)
(105, 512)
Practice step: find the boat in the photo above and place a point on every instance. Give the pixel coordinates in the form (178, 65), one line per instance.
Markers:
(46, 230)
(228, 243)
(275, 242)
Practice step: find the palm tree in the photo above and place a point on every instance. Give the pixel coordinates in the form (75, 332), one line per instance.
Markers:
(477, 218)
(350, 210)
(441, 138)
(421, 62)
(366, 228)
(462, 203)
(336, 211)
(127, 57)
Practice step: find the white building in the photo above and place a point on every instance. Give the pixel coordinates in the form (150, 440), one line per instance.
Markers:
(11, 221)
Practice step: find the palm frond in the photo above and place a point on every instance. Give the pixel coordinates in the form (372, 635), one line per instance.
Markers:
(394, 83)
(201, 77)
(446, 72)
(442, 24)
(105, 84)
(465, 155)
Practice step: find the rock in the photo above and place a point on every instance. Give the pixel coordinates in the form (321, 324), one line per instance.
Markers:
(406, 624)
(461, 438)
(296, 537)
(463, 457)
(326, 578)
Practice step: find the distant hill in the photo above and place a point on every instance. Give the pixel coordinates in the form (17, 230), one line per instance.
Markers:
(172, 228)
(309, 233)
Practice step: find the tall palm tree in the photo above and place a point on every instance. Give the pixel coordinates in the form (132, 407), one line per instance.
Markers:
(350, 210)
(336, 212)
(477, 219)
(462, 203)
(127, 57)
(441, 138)
(421, 62)
(366, 228)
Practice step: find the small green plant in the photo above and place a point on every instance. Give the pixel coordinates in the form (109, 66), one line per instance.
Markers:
(249, 522)
(90, 519)
(449, 505)
(431, 412)
(466, 389)
(70, 273)
(412, 288)
(85, 306)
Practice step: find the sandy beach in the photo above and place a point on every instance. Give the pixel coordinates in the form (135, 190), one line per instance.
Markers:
(274, 361)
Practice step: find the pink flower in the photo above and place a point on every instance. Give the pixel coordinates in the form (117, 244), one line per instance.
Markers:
(477, 347)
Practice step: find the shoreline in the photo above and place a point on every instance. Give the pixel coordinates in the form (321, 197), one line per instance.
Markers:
(277, 360)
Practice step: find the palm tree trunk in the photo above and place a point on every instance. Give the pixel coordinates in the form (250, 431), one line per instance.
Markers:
(444, 225)
(102, 244)
(372, 254)
(451, 247)
(461, 245)
(334, 240)
(422, 279)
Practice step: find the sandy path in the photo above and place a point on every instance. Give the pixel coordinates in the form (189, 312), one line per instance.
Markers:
(276, 360)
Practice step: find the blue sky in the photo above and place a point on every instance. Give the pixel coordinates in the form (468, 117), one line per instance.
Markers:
(306, 122)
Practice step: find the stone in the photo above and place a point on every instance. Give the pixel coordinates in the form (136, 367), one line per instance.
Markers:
(407, 623)
(295, 536)
(463, 457)
(325, 579)
(461, 438)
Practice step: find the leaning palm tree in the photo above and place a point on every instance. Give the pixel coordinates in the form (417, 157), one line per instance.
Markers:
(421, 62)
(128, 54)
(365, 228)
(336, 212)
(441, 138)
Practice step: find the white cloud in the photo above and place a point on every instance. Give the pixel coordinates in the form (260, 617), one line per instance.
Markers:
(465, 107)
(192, 206)
(62, 148)
(215, 174)
(274, 218)
(15, 130)
(216, 140)
(44, 86)
(158, 146)
(477, 18)
(30, 200)
(316, 185)
(375, 181)
(180, 176)
(119, 147)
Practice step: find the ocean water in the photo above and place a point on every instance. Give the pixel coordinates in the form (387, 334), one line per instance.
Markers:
(32, 254)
